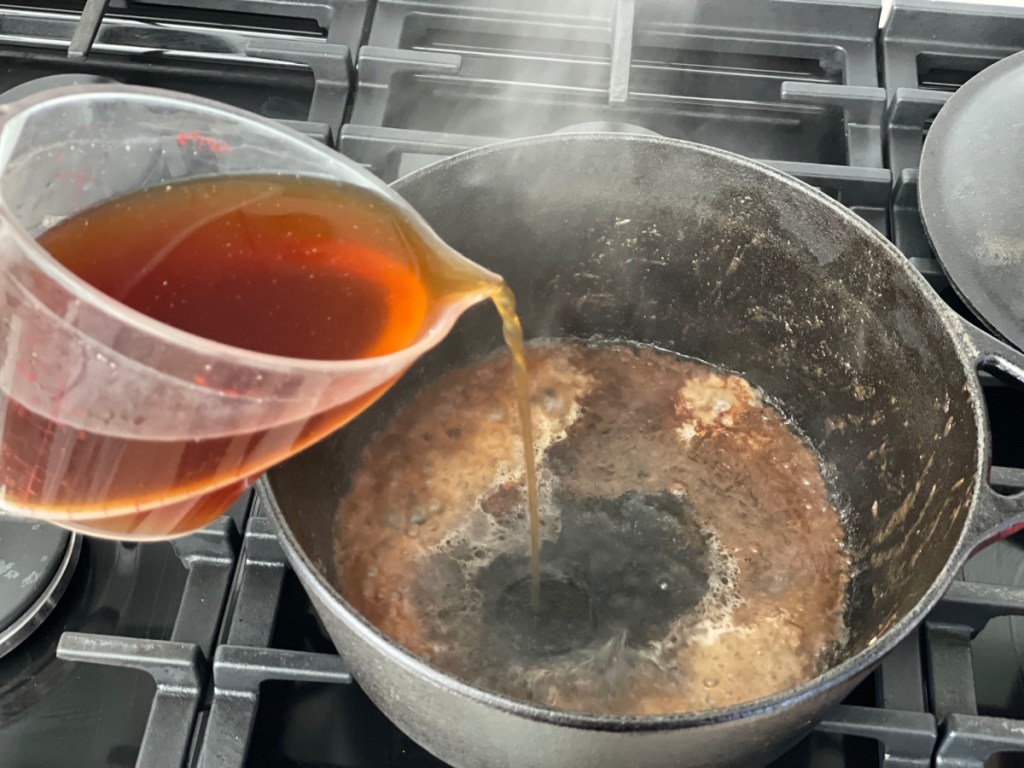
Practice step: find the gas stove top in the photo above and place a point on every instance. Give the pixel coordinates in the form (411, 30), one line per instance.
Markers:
(205, 651)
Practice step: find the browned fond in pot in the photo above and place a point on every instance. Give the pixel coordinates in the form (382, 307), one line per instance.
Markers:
(725, 578)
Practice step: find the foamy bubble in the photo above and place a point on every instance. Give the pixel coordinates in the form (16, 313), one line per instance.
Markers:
(715, 611)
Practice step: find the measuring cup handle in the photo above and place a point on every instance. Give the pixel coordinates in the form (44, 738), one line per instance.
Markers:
(997, 515)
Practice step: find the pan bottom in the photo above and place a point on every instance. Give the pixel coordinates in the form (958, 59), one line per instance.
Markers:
(691, 555)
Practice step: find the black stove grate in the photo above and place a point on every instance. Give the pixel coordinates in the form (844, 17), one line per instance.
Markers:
(794, 84)
(245, 659)
(301, 79)
(121, 663)
(832, 42)
(939, 46)
(178, 665)
(968, 740)
(341, 21)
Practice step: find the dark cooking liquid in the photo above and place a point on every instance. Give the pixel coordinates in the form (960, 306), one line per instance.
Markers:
(290, 266)
(691, 557)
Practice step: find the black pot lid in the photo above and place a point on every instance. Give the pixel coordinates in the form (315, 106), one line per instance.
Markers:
(969, 189)
(36, 563)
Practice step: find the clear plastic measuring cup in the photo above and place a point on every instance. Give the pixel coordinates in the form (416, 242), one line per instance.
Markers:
(95, 396)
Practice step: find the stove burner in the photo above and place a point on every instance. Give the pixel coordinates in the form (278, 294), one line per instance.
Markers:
(40, 84)
(36, 564)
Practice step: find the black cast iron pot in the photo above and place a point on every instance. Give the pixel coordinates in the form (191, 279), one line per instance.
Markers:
(714, 256)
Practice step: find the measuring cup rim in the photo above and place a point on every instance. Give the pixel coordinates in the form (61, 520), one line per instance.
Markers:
(165, 333)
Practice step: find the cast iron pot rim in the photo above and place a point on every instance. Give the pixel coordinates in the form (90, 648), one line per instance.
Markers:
(860, 663)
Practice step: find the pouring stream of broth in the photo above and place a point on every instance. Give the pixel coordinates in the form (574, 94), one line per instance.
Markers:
(505, 303)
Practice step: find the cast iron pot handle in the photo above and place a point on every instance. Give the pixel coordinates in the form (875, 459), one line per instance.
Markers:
(996, 515)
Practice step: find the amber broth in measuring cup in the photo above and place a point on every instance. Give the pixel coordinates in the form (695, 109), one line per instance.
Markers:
(298, 267)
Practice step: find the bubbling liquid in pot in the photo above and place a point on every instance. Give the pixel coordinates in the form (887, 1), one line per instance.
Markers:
(691, 557)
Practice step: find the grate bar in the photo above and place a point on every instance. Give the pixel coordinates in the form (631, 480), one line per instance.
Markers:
(238, 673)
(85, 31)
(908, 737)
(331, 65)
(258, 587)
(968, 741)
(179, 671)
(900, 679)
(209, 555)
(622, 51)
